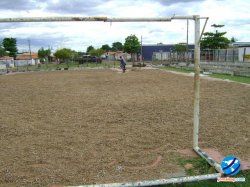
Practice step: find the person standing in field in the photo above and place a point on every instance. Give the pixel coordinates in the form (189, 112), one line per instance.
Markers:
(123, 64)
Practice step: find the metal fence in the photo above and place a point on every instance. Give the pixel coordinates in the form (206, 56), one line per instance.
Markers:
(216, 55)
(51, 66)
(220, 55)
(173, 56)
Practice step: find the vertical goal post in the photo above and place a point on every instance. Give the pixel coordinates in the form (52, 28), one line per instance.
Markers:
(197, 38)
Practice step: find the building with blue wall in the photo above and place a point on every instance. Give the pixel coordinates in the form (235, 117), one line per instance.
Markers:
(148, 50)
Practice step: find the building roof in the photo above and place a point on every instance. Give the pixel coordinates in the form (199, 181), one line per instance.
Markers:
(164, 45)
(241, 44)
(27, 56)
(113, 52)
(6, 58)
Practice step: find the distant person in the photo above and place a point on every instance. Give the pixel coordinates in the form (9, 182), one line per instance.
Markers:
(7, 66)
(123, 64)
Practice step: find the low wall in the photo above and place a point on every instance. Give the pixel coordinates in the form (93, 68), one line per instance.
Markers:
(236, 68)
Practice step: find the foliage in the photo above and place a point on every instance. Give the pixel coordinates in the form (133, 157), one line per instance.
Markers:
(64, 53)
(77, 54)
(2, 51)
(215, 40)
(96, 52)
(117, 46)
(180, 47)
(9, 45)
(89, 48)
(132, 44)
(233, 40)
(106, 47)
(43, 53)
(217, 26)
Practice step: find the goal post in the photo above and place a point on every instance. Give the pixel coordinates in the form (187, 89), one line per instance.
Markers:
(197, 38)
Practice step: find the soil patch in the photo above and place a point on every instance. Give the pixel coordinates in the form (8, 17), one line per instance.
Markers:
(100, 126)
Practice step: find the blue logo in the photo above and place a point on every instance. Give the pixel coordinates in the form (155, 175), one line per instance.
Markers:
(230, 165)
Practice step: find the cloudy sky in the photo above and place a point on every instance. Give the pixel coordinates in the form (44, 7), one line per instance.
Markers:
(234, 14)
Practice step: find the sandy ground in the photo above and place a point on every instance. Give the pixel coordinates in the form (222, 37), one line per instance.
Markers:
(101, 126)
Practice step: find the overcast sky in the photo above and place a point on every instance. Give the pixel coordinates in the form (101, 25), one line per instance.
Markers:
(234, 14)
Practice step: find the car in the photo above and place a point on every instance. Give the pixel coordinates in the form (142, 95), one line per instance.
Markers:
(89, 58)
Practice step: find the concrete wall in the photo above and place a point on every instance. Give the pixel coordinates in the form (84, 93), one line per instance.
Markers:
(6, 63)
(237, 68)
(27, 62)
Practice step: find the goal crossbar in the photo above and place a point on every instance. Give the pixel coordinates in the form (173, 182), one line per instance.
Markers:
(94, 18)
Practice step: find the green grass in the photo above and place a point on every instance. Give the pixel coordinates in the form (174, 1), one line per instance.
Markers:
(215, 75)
(182, 70)
(201, 167)
(232, 78)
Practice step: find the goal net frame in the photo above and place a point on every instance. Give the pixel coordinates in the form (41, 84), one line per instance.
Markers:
(196, 114)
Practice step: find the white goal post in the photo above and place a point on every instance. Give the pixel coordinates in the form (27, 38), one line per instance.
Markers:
(197, 38)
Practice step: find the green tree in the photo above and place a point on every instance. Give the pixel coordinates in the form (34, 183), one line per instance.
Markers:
(132, 46)
(180, 47)
(77, 55)
(106, 47)
(44, 53)
(215, 40)
(117, 46)
(96, 52)
(233, 40)
(9, 45)
(89, 48)
(63, 54)
(217, 26)
(2, 51)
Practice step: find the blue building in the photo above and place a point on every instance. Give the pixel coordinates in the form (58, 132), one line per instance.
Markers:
(148, 50)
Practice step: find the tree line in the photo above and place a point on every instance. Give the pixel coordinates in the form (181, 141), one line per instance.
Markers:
(131, 45)
(8, 47)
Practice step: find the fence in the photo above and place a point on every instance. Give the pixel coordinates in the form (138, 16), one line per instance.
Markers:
(173, 56)
(220, 55)
(215, 55)
(51, 66)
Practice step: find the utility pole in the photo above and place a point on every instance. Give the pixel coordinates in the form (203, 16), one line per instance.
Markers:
(187, 40)
(30, 55)
(141, 53)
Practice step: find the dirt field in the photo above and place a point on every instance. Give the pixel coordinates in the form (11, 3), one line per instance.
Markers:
(101, 126)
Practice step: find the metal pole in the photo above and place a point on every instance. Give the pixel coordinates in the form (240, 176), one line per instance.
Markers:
(233, 53)
(244, 53)
(196, 82)
(104, 19)
(225, 55)
(203, 29)
(209, 159)
(141, 53)
(30, 56)
(158, 182)
(187, 41)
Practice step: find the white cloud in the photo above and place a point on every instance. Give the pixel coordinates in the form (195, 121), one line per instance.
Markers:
(233, 13)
